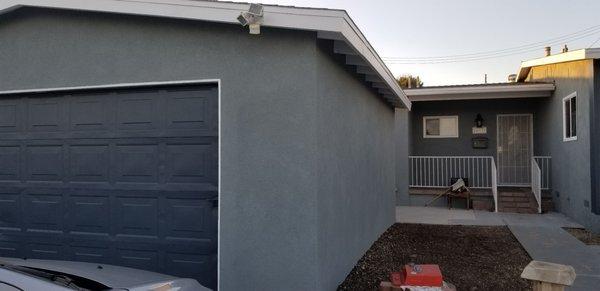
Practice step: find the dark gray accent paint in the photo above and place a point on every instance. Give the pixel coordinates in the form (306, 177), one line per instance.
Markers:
(306, 186)
(110, 177)
(467, 111)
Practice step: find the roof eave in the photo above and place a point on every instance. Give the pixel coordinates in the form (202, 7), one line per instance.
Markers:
(480, 93)
(331, 24)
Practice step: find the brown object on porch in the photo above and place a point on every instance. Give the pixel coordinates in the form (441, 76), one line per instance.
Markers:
(457, 190)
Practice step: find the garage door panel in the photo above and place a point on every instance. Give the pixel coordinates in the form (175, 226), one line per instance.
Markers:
(138, 111)
(180, 170)
(94, 251)
(192, 265)
(188, 111)
(137, 163)
(10, 159)
(12, 245)
(89, 163)
(45, 114)
(47, 249)
(136, 216)
(124, 177)
(9, 112)
(86, 213)
(138, 255)
(45, 162)
(89, 113)
(44, 212)
(10, 212)
(187, 218)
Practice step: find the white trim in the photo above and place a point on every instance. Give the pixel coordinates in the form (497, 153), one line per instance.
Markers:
(111, 86)
(455, 117)
(577, 55)
(530, 115)
(324, 21)
(564, 126)
(481, 92)
(219, 206)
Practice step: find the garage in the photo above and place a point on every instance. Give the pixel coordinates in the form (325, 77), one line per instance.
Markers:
(124, 176)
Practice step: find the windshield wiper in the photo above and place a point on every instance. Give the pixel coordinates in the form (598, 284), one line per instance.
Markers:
(56, 277)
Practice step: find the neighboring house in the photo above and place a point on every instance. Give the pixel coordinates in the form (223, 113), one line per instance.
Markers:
(162, 135)
(540, 133)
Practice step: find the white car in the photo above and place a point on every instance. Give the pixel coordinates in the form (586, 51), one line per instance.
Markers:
(29, 274)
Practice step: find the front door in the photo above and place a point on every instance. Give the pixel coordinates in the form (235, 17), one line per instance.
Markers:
(514, 149)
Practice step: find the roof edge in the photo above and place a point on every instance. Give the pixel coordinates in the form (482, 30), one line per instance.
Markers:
(311, 19)
(576, 55)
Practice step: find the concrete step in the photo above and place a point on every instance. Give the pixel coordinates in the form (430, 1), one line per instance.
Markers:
(514, 194)
(517, 200)
(514, 199)
(518, 210)
(518, 204)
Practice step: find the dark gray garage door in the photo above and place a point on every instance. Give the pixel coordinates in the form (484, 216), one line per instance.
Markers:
(125, 177)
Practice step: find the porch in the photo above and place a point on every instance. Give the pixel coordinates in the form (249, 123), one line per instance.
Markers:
(429, 175)
(494, 136)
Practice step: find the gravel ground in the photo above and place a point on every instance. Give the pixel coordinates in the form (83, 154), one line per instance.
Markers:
(584, 235)
(470, 257)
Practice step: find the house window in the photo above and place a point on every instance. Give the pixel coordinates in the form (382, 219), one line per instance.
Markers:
(570, 117)
(440, 126)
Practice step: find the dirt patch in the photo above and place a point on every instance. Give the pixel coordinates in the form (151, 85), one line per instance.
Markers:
(584, 235)
(470, 257)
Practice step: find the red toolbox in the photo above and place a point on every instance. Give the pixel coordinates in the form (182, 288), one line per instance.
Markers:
(418, 275)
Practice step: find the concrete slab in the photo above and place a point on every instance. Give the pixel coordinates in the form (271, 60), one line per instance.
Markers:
(553, 244)
(445, 216)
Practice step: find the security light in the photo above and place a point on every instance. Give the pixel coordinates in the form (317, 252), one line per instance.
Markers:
(256, 9)
(252, 18)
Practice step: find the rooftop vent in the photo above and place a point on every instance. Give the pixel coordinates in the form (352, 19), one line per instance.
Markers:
(565, 49)
(548, 51)
(512, 78)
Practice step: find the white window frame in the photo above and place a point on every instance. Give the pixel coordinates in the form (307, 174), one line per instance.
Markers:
(564, 121)
(425, 118)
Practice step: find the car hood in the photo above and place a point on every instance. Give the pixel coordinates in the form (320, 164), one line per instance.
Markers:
(112, 276)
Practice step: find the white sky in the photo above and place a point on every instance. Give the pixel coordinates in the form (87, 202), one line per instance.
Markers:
(425, 28)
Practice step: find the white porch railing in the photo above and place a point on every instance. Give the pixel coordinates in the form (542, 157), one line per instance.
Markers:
(436, 171)
(495, 185)
(536, 183)
(545, 164)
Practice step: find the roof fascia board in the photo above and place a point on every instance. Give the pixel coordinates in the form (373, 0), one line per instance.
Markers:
(480, 89)
(577, 55)
(481, 96)
(319, 20)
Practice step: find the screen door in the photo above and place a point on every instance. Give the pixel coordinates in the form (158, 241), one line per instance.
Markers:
(514, 149)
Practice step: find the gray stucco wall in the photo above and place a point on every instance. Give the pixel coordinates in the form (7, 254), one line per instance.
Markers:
(570, 160)
(307, 174)
(355, 169)
(402, 136)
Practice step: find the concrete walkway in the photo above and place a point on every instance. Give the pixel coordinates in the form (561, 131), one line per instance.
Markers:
(541, 235)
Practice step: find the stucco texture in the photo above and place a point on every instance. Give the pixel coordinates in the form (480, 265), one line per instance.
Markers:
(306, 150)
(570, 159)
(355, 168)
